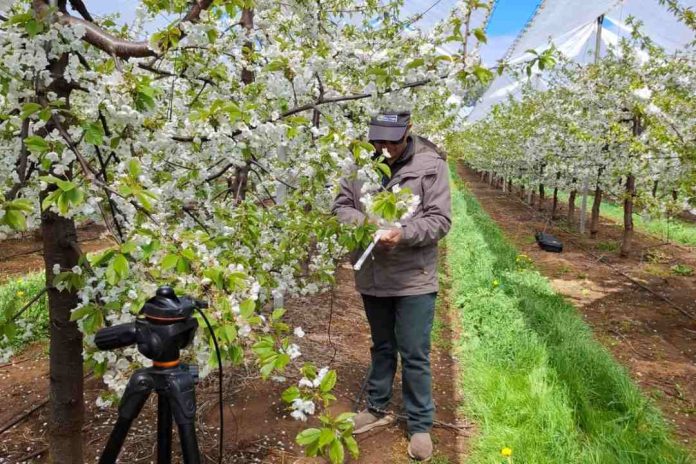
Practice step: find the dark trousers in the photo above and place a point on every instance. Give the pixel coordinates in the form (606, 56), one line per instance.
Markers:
(402, 325)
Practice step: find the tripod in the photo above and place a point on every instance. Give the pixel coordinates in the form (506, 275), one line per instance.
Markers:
(165, 327)
(175, 397)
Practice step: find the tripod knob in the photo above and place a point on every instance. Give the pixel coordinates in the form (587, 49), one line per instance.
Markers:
(166, 292)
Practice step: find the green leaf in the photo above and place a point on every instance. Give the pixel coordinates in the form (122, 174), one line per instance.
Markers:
(352, 446)
(336, 453)
(120, 265)
(229, 333)
(134, 168)
(276, 65)
(247, 308)
(290, 394)
(308, 436)
(277, 314)
(386, 170)
(99, 259)
(94, 133)
(15, 219)
(418, 62)
(36, 144)
(328, 382)
(129, 247)
(327, 436)
(21, 204)
(81, 312)
(267, 368)
(483, 74)
(236, 281)
(29, 108)
(480, 35)
(345, 416)
(34, 27)
(169, 261)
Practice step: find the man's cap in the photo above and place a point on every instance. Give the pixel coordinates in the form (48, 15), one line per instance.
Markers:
(389, 125)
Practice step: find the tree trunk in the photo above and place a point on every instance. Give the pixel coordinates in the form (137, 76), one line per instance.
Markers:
(65, 365)
(596, 204)
(483, 175)
(509, 189)
(571, 208)
(628, 215)
(654, 189)
(239, 184)
(59, 235)
(247, 22)
(541, 197)
(674, 195)
(532, 196)
(554, 205)
(522, 191)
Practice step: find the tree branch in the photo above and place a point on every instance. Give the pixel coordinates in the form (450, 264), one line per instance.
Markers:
(21, 163)
(115, 46)
(79, 6)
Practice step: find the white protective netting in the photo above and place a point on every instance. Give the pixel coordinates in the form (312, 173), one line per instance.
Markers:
(572, 27)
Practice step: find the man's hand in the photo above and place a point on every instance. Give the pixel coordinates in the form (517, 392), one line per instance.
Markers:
(390, 238)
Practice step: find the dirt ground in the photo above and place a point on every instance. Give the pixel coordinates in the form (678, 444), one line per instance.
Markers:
(22, 255)
(648, 335)
(257, 425)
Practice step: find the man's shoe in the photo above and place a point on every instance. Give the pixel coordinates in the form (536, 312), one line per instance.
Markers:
(366, 421)
(420, 447)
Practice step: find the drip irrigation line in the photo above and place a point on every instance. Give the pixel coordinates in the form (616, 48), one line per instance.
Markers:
(28, 413)
(33, 455)
(331, 309)
(26, 306)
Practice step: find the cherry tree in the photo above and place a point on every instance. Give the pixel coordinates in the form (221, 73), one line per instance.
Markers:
(210, 150)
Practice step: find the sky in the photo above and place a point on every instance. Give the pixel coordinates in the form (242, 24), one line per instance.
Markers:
(509, 17)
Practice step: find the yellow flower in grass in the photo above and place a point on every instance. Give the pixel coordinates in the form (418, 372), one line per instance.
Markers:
(507, 452)
(20, 294)
(495, 283)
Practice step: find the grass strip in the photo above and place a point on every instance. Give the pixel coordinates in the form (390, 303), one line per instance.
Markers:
(32, 324)
(534, 378)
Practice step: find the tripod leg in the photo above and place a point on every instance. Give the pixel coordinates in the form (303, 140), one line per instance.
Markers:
(182, 399)
(164, 430)
(139, 387)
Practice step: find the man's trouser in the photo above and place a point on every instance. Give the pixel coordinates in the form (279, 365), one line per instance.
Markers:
(402, 325)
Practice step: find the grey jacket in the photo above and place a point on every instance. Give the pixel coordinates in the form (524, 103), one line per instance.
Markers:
(410, 268)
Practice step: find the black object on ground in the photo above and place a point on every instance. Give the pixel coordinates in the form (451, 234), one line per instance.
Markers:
(548, 242)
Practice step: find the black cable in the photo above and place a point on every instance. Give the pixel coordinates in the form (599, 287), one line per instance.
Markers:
(219, 359)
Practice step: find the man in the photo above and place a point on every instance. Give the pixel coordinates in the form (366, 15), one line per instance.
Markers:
(398, 283)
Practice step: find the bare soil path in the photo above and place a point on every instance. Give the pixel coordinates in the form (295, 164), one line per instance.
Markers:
(257, 426)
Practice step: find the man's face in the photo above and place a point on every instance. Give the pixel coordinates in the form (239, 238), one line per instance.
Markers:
(395, 148)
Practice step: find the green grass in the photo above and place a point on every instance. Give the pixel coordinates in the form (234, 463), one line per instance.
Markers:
(675, 229)
(32, 324)
(534, 378)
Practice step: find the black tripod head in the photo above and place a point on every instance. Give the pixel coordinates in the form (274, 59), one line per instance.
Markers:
(165, 326)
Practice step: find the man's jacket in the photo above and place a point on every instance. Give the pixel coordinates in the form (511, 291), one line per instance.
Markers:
(410, 268)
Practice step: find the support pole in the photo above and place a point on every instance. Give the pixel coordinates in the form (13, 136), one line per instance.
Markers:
(585, 182)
